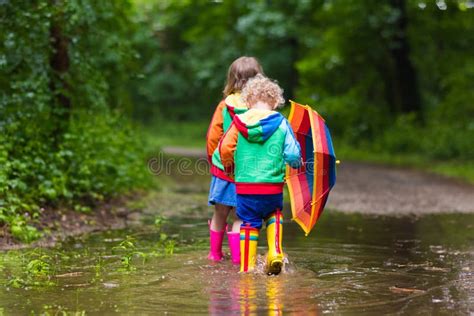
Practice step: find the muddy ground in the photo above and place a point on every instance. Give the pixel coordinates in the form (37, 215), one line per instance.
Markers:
(57, 224)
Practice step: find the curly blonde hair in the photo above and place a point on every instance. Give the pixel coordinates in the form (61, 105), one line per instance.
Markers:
(261, 88)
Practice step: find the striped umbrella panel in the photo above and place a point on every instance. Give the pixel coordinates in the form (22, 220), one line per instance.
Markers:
(309, 185)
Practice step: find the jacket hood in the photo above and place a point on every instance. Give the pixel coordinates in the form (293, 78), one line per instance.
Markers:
(258, 125)
(235, 104)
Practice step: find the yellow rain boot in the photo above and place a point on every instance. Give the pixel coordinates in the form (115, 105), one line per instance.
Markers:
(274, 237)
(248, 248)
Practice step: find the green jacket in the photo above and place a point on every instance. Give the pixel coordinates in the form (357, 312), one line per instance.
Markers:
(256, 148)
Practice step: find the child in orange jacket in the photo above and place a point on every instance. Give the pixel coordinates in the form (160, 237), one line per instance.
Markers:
(222, 190)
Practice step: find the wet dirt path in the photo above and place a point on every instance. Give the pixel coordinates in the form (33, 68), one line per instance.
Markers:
(377, 189)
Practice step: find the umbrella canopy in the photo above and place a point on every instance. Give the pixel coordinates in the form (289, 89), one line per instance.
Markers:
(309, 185)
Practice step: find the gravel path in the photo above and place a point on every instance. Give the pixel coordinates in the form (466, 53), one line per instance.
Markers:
(377, 189)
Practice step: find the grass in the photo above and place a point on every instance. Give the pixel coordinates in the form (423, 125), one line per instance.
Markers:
(463, 170)
(181, 134)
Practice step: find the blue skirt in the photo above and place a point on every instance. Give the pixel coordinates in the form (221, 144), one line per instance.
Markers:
(222, 192)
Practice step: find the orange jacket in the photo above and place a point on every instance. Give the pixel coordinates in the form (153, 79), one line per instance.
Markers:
(215, 130)
(220, 123)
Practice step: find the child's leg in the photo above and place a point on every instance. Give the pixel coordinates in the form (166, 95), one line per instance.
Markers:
(219, 218)
(274, 238)
(217, 230)
(237, 222)
(233, 237)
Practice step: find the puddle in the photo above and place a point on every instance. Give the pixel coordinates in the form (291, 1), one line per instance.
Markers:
(350, 264)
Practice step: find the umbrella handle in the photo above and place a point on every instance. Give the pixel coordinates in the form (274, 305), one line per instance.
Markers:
(338, 162)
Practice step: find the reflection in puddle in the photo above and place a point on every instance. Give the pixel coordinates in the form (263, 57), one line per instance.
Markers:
(250, 294)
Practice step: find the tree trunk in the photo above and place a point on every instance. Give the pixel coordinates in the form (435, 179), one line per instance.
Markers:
(406, 98)
(59, 62)
(293, 78)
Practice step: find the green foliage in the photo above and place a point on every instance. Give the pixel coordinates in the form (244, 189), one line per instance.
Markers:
(103, 155)
(159, 221)
(166, 245)
(128, 251)
(100, 156)
(342, 57)
(22, 231)
(349, 69)
(36, 271)
(187, 46)
(73, 73)
(62, 137)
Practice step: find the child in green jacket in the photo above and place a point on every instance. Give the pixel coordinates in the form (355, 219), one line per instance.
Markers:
(255, 149)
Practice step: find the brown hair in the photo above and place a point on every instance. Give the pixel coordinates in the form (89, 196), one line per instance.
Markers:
(241, 69)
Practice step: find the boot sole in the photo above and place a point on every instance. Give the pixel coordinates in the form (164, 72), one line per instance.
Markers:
(275, 267)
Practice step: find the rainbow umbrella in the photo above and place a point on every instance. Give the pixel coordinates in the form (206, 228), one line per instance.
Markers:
(309, 185)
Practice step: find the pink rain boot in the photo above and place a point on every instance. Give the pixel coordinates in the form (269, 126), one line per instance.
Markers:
(215, 253)
(234, 245)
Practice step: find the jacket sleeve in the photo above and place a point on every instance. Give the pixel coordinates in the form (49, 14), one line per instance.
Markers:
(227, 147)
(215, 131)
(291, 150)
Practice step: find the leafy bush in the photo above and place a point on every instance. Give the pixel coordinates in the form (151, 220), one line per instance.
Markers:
(64, 74)
(402, 136)
(102, 155)
(449, 142)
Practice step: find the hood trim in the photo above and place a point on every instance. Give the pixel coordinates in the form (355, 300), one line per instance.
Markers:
(267, 123)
